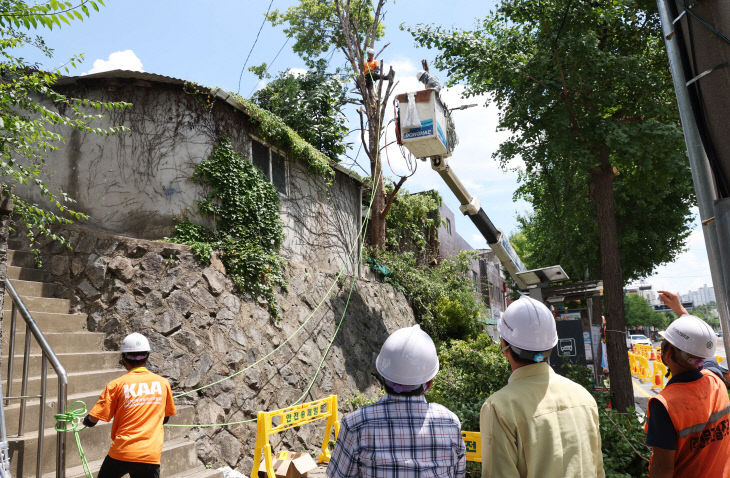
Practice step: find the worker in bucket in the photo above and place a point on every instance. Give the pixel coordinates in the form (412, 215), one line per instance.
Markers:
(428, 81)
(401, 435)
(540, 423)
(688, 423)
(139, 403)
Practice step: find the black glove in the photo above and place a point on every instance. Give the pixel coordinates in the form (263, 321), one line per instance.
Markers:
(87, 421)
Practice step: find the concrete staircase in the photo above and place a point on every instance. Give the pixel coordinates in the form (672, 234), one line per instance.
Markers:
(89, 368)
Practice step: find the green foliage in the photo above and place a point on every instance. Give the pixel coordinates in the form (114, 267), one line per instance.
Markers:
(471, 370)
(20, 14)
(316, 29)
(248, 233)
(360, 400)
(412, 224)
(625, 453)
(311, 104)
(573, 79)
(639, 313)
(708, 313)
(274, 130)
(442, 296)
(32, 113)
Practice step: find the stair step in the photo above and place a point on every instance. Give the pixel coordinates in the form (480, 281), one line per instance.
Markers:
(28, 273)
(12, 411)
(95, 442)
(33, 288)
(79, 382)
(20, 258)
(48, 322)
(199, 472)
(72, 362)
(41, 304)
(61, 342)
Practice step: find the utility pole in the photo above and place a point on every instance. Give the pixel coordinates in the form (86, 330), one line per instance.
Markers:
(696, 35)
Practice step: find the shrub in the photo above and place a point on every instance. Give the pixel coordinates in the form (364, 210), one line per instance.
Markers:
(470, 372)
(442, 296)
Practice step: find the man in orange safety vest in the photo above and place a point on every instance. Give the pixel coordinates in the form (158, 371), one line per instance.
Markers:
(688, 423)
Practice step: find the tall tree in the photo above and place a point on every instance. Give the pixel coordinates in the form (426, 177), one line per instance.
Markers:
(311, 104)
(350, 26)
(584, 89)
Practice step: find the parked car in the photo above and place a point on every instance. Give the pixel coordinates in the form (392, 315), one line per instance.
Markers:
(639, 339)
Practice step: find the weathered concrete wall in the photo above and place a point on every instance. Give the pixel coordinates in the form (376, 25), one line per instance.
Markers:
(201, 330)
(136, 184)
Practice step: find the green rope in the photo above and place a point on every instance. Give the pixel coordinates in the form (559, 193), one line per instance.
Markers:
(74, 417)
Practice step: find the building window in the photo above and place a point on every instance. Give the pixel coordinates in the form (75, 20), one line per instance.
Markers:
(448, 226)
(271, 163)
(475, 279)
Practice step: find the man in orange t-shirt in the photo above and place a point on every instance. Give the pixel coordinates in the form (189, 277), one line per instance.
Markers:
(139, 403)
(371, 68)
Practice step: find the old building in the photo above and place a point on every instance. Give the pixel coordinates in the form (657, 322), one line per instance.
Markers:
(138, 183)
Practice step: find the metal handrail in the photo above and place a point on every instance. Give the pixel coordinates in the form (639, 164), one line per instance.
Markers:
(47, 356)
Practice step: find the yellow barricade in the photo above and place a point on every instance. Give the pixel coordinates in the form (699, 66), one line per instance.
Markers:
(660, 370)
(644, 373)
(719, 358)
(634, 363)
(292, 417)
(473, 442)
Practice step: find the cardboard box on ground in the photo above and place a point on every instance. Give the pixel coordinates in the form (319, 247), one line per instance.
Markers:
(290, 465)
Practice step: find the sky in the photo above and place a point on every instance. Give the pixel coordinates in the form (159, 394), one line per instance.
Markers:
(213, 42)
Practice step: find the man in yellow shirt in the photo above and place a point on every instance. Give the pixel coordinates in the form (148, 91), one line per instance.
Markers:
(139, 402)
(540, 424)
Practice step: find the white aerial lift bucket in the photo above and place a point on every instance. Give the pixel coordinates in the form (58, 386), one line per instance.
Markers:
(423, 129)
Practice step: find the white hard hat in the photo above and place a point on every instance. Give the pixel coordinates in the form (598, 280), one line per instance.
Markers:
(135, 342)
(371, 51)
(692, 335)
(529, 325)
(408, 357)
(420, 74)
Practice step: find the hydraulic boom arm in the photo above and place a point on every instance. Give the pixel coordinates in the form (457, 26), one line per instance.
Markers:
(501, 246)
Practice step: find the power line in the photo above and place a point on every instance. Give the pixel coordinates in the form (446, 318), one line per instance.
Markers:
(271, 63)
(252, 47)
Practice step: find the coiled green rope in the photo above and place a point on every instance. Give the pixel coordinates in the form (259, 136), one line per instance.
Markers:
(73, 418)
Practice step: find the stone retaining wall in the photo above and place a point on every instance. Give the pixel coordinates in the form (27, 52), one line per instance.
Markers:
(202, 330)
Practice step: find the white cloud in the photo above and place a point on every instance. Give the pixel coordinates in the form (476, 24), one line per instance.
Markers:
(119, 60)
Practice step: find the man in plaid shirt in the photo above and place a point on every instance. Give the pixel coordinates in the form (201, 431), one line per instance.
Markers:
(401, 435)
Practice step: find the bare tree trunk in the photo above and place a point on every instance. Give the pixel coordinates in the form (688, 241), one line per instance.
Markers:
(622, 394)
(375, 99)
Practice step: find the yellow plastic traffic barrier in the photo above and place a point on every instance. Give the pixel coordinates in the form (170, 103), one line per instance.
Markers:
(632, 363)
(658, 376)
(644, 371)
(473, 442)
(660, 370)
(719, 358)
(292, 417)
